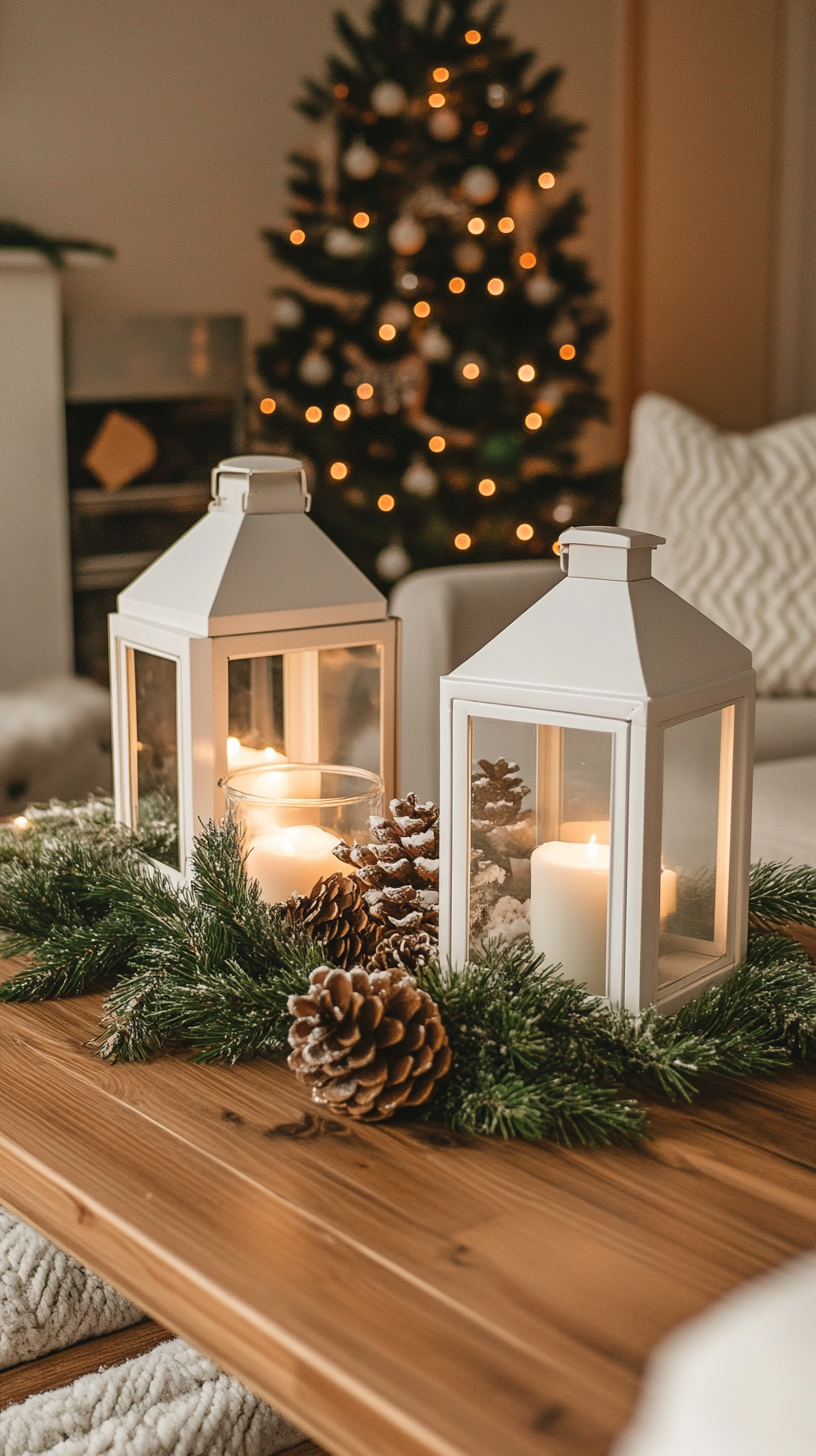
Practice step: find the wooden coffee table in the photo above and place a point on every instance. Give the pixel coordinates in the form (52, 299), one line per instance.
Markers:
(397, 1290)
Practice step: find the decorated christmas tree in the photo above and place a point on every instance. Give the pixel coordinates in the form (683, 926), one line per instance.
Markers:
(432, 359)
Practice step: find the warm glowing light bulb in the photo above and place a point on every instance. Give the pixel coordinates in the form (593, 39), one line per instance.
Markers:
(506, 224)
(436, 99)
(462, 542)
(440, 74)
(471, 371)
(495, 286)
(524, 532)
(297, 236)
(526, 373)
(365, 391)
(422, 309)
(339, 470)
(567, 351)
(487, 487)
(387, 332)
(480, 128)
(233, 749)
(21, 822)
(314, 414)
(476, 225)
(457, 285)
(533, 420)
(361, 219)
(267, 406)
(528, 260)
(557, 547)
(436, 443)
(473, 36)
(341, 412)
(546, 180)
(386, 503)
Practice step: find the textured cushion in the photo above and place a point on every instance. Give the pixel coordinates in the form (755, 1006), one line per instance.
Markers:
(739, 516)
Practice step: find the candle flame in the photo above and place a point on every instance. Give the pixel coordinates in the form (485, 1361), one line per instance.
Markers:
(233, 747)
(592, 850)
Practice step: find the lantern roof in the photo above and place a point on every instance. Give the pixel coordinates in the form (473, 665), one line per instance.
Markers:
(254, 563)
(609, 628)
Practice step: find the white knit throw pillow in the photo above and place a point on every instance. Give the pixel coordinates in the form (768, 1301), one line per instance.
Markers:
(739, 516)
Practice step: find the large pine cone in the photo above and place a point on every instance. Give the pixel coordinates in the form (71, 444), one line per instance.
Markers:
(404, 952)
(400, 866)
(367, 1044)
(335, 913)
(497, 793)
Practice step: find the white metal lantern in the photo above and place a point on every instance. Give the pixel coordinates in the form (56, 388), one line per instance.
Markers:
(596, 782)
(252, 639)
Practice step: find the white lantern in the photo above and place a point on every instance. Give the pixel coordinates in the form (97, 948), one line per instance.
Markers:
(596, 783)
(253, 639)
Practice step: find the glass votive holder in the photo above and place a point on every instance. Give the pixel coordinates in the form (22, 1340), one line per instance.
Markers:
(291, 815)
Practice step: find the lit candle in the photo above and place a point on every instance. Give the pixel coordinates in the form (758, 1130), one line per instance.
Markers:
(568, 895)
(291, 860)
(668, 894)
(239, 756)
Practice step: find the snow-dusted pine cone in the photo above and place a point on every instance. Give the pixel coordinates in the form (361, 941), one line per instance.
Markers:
(404, 952)
(335, 913)
(497, 792)
(366, 1044)
(400, 867)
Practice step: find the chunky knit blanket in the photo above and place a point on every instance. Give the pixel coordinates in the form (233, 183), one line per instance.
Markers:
(170, 1402)
(47, 1300)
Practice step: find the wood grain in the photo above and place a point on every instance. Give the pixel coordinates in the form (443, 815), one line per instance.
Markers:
(397, 1290)
(51, 1372)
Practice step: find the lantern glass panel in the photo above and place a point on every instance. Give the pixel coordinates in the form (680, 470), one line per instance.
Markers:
(154, 740)
(697, 764)
(309, 706)
(539, 841)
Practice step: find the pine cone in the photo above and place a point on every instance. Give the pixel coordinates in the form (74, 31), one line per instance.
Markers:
(497, 793)
(404, 952)
(335, 913)
(401, 866)
(367, 1044)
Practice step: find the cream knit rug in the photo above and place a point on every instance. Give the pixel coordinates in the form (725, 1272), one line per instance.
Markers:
(170, 1402)
(47, 1300)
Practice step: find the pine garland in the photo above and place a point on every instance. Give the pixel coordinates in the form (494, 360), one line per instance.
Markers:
(210, 967)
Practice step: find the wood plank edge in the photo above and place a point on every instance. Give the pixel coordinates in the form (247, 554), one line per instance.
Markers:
(62, 1367)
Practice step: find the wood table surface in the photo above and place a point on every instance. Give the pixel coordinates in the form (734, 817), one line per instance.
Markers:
(397, 1290)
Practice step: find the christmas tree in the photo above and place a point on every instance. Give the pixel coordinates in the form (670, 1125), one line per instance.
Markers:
(432, 362)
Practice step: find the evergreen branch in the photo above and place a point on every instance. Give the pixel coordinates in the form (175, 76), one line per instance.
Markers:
(782, 894)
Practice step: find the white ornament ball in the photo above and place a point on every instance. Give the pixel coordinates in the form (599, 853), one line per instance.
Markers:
(419, 479)
(340, 243)
(315, 368)
(444, 125)
(496, 96)
(287, 313)
(406, 235)
(540, 289)
(563, 331)
(469, 257)
(388, 98)
(552, 397)
(563, 512)
(434, 345)
(360, 161)
(480, 184)
(393, 562)
(395, 312)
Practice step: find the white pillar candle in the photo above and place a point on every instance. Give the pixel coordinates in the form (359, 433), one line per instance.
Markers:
(668, 894)
(291, 860)
(568, 897)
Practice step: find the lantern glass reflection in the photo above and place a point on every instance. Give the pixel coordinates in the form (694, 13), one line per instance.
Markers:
(153, 697)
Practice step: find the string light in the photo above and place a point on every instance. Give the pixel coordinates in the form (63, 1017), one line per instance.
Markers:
(267, 406)
(525, 107)
(339, 470)
(506, 224)
(436, 443)
(473, 36)
(487, 487)
(441, 74)
(476, 226)
(567, 351)
(457, 285)
(533, 420)
(297, 236)
(462, 542)
(20, 822)
(422, 309)
(471, 371)
(436, 99)
(361, 219)
(480, 128)
(528, 260)
(557, 547)
(526, 373)
(342, 412)
(365, 391)
(341, 91)
(314, 414)
(387, 332)
(546, 180)
(495, 286)
(524, 532)
(386, 503)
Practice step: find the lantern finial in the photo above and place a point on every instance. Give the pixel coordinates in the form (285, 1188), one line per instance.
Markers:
(608, 553)
(260, 485)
